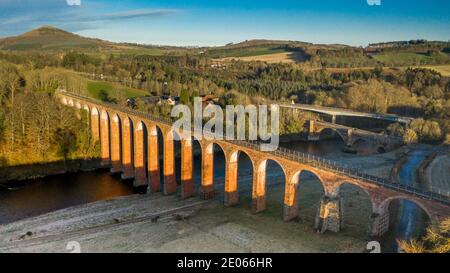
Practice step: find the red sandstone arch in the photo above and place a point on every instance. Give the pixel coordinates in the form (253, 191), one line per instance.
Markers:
(127, 148)
(116, 148)
(336, 192)
(95, 124)
(153, 157)
(367, 196)
(292, 193)
(104, 136)
(170, 184)
(384, 206)
(140, 152)
(231, 177)
(208, 156)
(260, 183)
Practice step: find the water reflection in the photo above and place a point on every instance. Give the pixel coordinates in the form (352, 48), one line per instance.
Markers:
(39, 196)
(408, 220)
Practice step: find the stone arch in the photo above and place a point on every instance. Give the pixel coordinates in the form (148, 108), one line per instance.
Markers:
(64, 101)
(260, 182)
(70, 102)
(187, 165)
(127, 133)
(381, 149)
(356, 204)
(116, 143)
(382, 220)
(155, 145)
(337, 190)
(105, 138)
(232, 176)
(362, 145)
(209, 168)
(140, 154)
(78, 105)
(303, 192)
(95, 111)
(384, 206)
(169, 171)
(344, 138)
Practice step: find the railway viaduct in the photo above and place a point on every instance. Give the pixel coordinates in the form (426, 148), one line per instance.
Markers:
(129, 145)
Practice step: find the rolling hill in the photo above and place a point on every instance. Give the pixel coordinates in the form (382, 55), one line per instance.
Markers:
(48, 38)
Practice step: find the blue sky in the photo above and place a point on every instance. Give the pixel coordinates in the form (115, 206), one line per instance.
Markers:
(218, 22)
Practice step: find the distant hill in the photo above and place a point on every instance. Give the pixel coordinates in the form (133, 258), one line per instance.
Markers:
(51, 38)
(400, 53)
(48, 38)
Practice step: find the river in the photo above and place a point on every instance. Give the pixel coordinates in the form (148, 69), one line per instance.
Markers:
(39, 196)
(410, 220)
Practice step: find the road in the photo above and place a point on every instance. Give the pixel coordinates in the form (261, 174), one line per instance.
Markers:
(346, 112)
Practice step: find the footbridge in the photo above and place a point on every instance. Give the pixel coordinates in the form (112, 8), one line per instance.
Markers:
(129, 145)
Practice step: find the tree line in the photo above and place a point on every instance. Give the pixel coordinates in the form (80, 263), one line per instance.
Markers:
(34, 126)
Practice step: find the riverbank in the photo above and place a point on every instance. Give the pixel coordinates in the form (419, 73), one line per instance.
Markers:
(125, 224)
(151, 223)
(437, 173)
(10, 175)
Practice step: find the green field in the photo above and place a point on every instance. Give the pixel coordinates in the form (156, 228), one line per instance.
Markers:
(244, 52)
(410, 58)
(98, 90)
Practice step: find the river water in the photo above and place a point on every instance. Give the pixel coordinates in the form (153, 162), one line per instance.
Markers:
(409, 220)
(39, 196)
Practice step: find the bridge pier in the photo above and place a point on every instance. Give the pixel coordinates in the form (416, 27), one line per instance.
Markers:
(379, 224)
(153, 161)
(115, 146)
(104, 142)
(127, 146)
(231, 181)
(95, 125)
(187, 181)
(259, 188)
(330, 215)
(208, 172)
(170, 183)
(312, 135)
(290, 207)
(140, 175)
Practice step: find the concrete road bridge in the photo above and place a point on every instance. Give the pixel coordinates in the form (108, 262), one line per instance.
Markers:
(129, 145)
(334, 112)
(352, 136)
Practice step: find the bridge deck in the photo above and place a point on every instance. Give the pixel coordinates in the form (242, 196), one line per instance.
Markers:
(346, 112)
